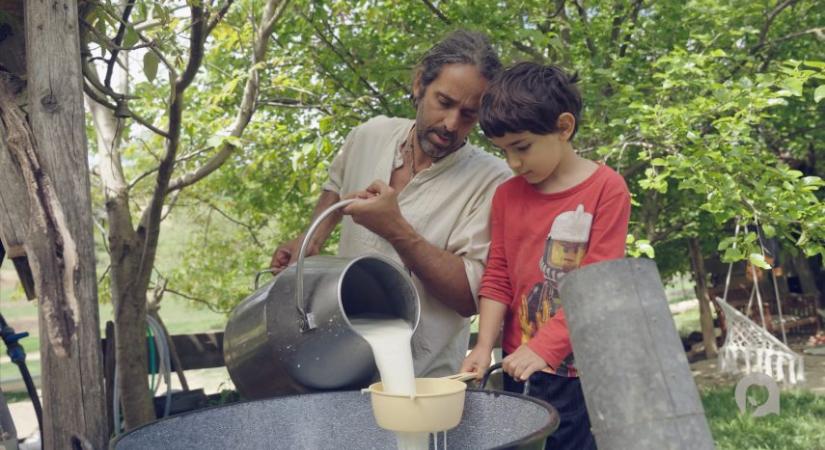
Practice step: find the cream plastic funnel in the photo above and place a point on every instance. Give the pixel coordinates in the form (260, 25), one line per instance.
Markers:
(436, 406)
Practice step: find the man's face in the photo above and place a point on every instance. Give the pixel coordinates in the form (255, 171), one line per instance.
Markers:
(448, 108)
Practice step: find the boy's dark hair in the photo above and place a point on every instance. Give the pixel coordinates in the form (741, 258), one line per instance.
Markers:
(529, 97)
(459, 47)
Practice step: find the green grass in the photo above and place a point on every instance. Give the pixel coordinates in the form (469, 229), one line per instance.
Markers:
(9, 371)
(179, 315)
(799, 425)
(14, 397)
(680, 288)
(687, 321)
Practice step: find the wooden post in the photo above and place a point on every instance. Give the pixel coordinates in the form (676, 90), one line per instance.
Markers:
(52, 157)
(14, 201)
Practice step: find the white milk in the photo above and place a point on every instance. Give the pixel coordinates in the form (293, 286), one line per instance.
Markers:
(390, 343)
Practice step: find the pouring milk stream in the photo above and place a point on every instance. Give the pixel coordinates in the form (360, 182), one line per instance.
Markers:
(389, 339)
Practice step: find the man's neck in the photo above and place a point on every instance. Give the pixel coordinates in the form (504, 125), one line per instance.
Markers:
(422, 160)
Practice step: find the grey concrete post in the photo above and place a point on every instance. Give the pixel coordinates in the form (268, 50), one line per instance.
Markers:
(8, 434)
(637, 383)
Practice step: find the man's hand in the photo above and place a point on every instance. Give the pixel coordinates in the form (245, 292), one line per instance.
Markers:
(477, 361)
(287, 253)
(522, 363)
(377, 209)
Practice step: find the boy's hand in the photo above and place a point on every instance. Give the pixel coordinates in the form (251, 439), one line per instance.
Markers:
(477, 361)
(522, 363)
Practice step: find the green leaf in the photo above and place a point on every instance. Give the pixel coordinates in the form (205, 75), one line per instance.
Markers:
(150, 65)
(646, 248)
(732, 254)
(794, 85)
(131, 37)
(758, 260)
(819, 93)
(725, 243)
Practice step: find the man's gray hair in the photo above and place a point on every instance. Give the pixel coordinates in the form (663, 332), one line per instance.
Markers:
(459, 47)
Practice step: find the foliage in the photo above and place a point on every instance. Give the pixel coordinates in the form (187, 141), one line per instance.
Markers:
(710, 110)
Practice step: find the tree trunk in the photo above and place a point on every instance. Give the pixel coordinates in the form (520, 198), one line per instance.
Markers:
(125, 251)
(52, 157)
(705, 314)
(133, 243)
(131, 357)
(807, 278)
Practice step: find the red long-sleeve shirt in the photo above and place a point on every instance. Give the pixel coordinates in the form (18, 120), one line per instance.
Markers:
(536, 239)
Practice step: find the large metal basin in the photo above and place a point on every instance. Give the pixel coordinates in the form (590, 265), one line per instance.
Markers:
(341, 420)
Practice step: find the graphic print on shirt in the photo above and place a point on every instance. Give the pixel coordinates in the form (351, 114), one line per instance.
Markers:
(563, 251)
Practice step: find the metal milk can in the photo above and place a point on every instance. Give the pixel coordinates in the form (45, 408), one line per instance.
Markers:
(294, 335)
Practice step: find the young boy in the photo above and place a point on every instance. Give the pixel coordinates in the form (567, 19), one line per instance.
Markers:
(559, 212)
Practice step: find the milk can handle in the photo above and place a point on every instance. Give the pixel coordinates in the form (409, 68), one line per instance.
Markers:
(308, 320)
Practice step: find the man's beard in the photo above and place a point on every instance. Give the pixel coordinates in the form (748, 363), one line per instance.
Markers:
(433, 150)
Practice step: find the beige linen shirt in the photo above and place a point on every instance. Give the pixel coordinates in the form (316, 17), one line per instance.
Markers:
(448, 203)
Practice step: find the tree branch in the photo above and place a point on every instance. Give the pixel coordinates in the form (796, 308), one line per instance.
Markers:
(347, 62)
(273, 11)
(171, 205)
(206, 303)
(529, 51)
(292, 103)
(197, 37)
(818, 32)
(583, 14)
(121, 33)
(90, 92)
(214, 21)
(763, 34)
(437, 12)
(248, 227)
(355, 58)
(149, 226)
(147, 43)
(634, 17)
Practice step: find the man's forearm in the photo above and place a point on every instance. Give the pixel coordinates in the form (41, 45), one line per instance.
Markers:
(442, 272)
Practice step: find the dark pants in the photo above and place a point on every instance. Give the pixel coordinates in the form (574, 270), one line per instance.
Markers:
(565, 394)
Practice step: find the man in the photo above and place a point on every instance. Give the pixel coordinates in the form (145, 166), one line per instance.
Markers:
(427, 196)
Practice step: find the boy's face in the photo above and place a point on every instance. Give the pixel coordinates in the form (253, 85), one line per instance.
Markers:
(532, 156)
(537, 156)
(448, 108)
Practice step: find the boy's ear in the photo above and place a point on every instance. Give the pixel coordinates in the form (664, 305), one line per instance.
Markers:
(566, 123)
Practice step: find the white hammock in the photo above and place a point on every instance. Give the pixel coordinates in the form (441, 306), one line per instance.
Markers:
(758, 350)
(754, 346)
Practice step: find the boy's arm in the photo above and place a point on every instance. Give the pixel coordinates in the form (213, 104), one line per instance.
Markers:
(608, 235)
(491, 316)
(495, 293)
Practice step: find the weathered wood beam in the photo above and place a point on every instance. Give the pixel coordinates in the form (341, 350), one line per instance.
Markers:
(60, 247)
